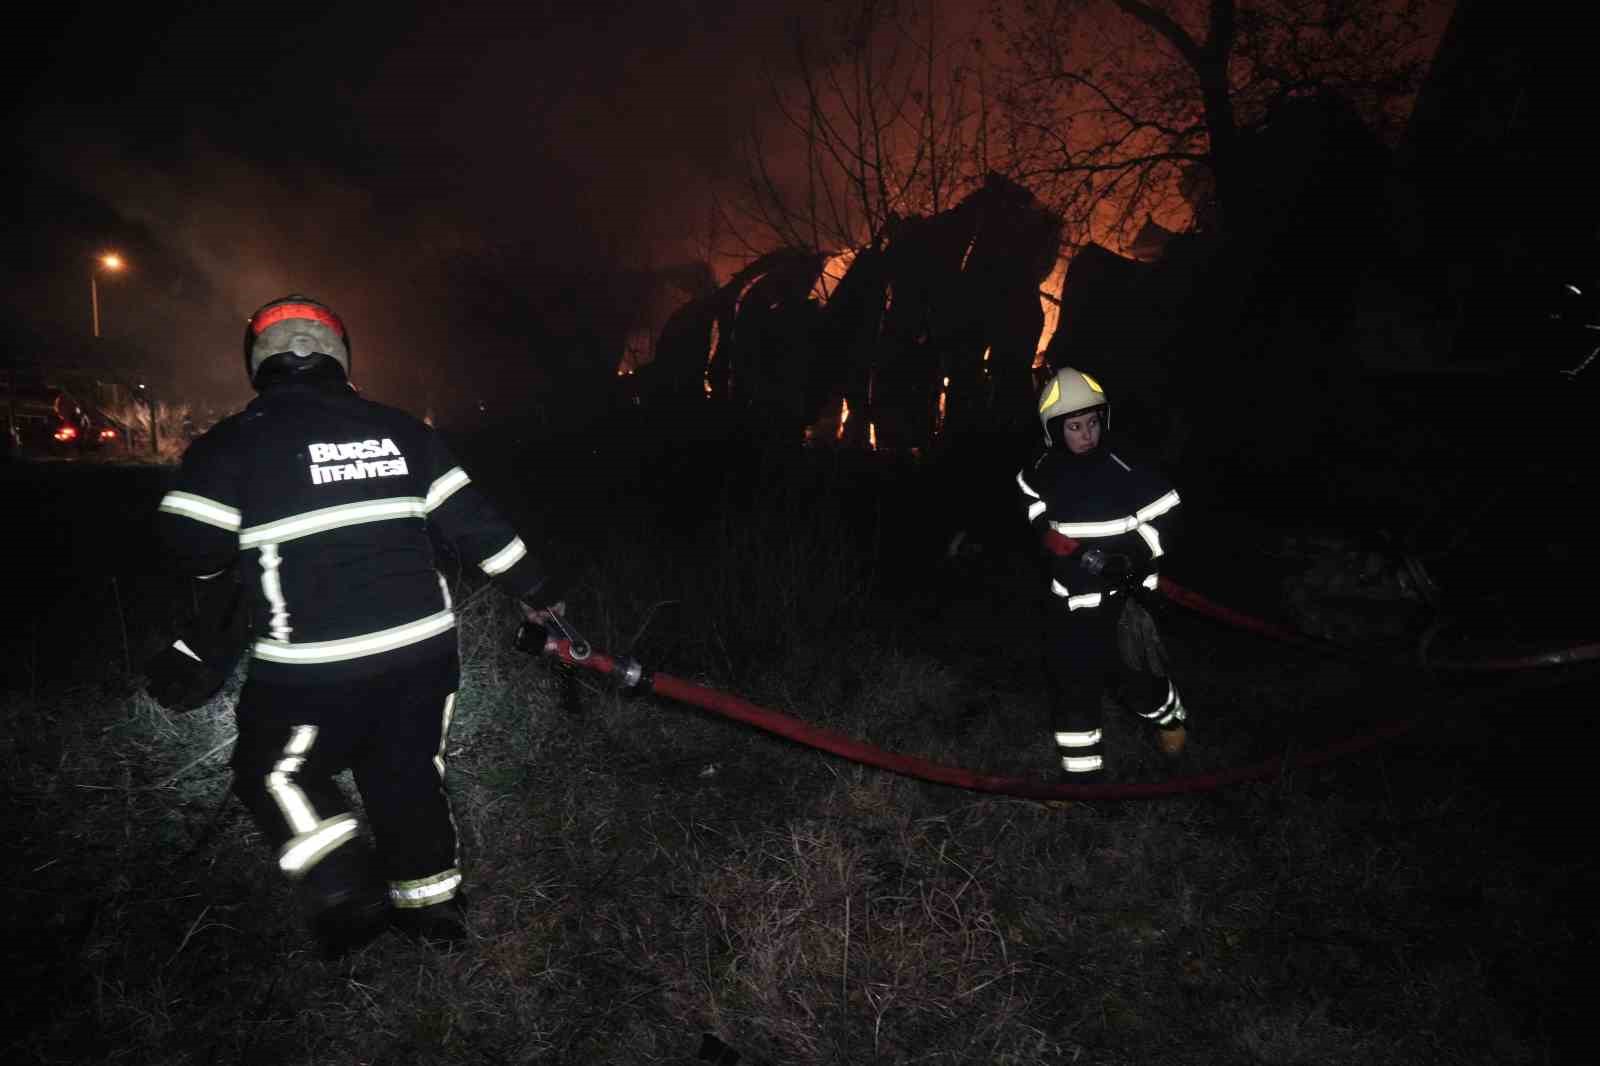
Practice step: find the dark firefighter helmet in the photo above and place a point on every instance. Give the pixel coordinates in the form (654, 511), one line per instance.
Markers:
(298, 328)
(1069, 392)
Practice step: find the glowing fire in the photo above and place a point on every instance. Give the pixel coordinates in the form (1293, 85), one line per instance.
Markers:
(833, 271)
(1050, 303)
(716, 338)
(844, 416)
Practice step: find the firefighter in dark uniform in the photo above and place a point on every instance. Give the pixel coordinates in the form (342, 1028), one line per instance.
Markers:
(322, 502)
(1104, 524)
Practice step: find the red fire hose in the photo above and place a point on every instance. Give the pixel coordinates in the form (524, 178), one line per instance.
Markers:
(1201, 605)
(740, 710)
(572, 648)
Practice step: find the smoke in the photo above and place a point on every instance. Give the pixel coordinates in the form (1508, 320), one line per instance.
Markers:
(387, 166)
(440, 173)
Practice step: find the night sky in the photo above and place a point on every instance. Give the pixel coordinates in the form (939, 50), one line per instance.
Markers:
(235, 155)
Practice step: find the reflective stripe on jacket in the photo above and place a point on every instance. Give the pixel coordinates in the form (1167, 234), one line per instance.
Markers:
(1079, 502)
(326, 499)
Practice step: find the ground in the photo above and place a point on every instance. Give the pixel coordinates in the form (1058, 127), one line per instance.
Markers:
(644, 876)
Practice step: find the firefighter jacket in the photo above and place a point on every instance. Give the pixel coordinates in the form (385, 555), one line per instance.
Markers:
(1081, 502)
(326, 501)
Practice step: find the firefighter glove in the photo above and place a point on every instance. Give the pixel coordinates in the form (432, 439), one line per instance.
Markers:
(547, 594)
(1113, 568)
(179, 681)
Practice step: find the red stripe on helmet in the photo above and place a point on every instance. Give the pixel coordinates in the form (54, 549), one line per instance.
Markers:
(282, 312)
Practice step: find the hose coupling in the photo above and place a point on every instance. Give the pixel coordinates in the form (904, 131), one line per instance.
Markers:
(628, 672)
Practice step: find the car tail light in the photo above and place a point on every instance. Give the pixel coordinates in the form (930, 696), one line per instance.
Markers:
(66, 433)
(108, 434)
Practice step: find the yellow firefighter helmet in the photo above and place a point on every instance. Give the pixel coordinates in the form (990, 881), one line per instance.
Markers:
(1067, 392)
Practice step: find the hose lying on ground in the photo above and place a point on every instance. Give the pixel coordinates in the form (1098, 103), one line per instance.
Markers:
(728, 705)
(1201, 605)
(571, 648)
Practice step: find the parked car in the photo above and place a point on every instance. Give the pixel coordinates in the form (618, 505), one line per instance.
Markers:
(104, 431)
(44, 420)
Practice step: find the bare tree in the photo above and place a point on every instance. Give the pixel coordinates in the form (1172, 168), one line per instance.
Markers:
(882, 115)
(1120, 110)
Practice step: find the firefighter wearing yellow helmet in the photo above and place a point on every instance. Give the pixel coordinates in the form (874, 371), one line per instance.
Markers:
(1104, 523)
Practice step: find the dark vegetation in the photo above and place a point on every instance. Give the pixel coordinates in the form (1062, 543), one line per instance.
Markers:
(643, 875)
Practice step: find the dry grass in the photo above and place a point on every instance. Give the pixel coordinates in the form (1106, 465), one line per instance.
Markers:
(172, 425)
(643, 874)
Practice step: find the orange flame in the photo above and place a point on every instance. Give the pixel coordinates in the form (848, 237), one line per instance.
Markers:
(833, 272)
(1050, 304)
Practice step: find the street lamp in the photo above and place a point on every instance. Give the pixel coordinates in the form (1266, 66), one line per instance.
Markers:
(112, 262)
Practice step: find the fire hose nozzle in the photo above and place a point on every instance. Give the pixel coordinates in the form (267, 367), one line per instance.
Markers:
(539, 639)
(577, 647)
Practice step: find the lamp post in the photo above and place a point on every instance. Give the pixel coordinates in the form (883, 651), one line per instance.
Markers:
(110, 261)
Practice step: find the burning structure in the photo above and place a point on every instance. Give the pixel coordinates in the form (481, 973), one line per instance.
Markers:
(934, 326)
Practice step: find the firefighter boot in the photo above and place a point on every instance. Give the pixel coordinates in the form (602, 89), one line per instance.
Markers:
(1169, 718)
(344, 901)
(439, 925)
(1171, 740)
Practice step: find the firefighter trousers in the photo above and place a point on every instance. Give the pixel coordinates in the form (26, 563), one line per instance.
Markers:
(1084, 659)
(390, 731)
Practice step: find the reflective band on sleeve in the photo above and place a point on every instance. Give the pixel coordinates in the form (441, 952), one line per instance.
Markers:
(1087, 599)
(1158, 507)
(1114, 527)
(326, 518)
(425, 891)
(181, 646)
(1078, 740)
(1152, 540)
(201, 509)
(1151, 582)
(445, 486)
(307, 849)
(504, 559)
(1022, 484)
(1037, 508)
(332, 651)
(1080, 764)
